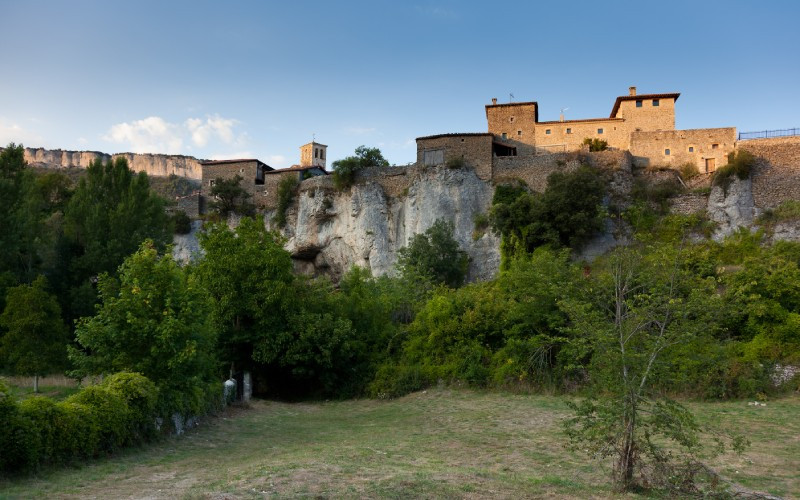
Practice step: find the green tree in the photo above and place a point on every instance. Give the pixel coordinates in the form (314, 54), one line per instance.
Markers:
(435, 255)
(249, 277)
(345, 170)
(110, 214)
(567, 214)
(153, 320)
(230, 197)
(646, 305)
(35, 342)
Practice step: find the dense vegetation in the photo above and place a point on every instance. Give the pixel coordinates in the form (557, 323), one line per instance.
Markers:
(345, 170)
(676, 314)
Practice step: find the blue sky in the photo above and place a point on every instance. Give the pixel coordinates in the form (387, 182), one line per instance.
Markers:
(257, 79)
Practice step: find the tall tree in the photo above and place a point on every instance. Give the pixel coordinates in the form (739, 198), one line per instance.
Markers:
(249, 277)
(154, 320)
(435, 254)
(35, 342)
(229, 196)
(110, 214)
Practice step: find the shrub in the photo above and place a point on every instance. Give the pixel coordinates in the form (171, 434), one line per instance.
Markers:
(111, 416)
(392, 381)
(19, 442)
(595, 144)
(141, 396)
(481, 222)
(345, 170)
(183, 223)
(688, 171)
(740, 164)
(455, 162)
(436, 255)
(287, 187)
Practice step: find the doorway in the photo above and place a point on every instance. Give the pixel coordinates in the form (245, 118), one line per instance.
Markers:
(711, 165)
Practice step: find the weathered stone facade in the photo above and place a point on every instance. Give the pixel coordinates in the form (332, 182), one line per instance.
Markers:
(706, 148)
(777, 174)
(470, 150)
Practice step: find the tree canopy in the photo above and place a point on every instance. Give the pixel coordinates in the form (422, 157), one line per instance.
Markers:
(436, 255)
(345, 170)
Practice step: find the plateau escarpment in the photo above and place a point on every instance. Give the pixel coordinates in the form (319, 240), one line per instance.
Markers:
(151, 164)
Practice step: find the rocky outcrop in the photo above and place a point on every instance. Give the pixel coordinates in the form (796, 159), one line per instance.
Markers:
(152, 164)
(731, 207)
(329, 231)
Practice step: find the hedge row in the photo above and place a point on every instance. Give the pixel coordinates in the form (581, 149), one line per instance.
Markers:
(123, 410)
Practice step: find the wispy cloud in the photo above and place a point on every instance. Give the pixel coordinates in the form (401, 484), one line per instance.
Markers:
(156, 135)
(437, 12)
(13, 132)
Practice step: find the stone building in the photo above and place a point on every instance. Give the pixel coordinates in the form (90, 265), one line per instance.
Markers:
(259, 179)
(643, 124)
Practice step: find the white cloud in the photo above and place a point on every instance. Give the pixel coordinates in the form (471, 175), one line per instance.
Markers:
(277, 161)
(12, 132)
(156, 135)
(151, 135)
(213, 126)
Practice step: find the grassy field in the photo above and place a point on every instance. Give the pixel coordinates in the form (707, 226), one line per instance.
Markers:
(438, 443)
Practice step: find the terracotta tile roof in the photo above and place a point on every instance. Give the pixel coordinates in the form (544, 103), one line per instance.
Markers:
(456, 134)
(242, 160)
(621, 98)
(556, 122)
(316, 143)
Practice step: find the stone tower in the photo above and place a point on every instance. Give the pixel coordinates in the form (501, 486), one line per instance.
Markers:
(313, 154)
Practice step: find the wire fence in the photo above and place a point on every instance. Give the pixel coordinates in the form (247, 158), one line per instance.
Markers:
(767, 134)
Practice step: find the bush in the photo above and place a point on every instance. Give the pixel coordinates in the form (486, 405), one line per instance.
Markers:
(595, 144)
(436, 255)
(19, 442)
(455, 162)
(141, 396)
(740, 164)
(111, 416)
(287, 187)
(183, 224)
(688, 171)
(345, 170)
(392, 381)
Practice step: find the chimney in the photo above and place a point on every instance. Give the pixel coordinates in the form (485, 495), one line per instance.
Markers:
(494, 101)
(632, 90)
(561, 117)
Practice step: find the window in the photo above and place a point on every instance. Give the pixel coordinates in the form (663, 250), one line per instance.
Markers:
(511, 119)
(433, 157)
(321, 154)
(547, 131)
(691, 149)
(316, 153)
(211, 182)
(569, 130)
(519, 132)
(714, 146)
(638, 103)
(666, 152)
(655, 102)
(241, 170)
(505, 136)
(599, 131)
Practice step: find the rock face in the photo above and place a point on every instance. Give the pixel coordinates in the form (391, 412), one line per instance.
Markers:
(329, 231)
(152, 164)
(733, 208)
(186, 247)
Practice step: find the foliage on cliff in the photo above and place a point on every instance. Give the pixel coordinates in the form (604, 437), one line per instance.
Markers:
(435, 255)
(345, 170)
(287, 187)
(229, 196)
(567, 214)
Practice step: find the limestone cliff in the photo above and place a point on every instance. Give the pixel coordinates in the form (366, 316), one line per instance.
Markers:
(329, 231)
(152, 164)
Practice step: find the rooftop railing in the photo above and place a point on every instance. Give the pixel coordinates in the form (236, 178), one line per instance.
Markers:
(768, 134)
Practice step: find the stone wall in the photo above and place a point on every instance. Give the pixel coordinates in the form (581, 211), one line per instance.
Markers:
(152, 164)
(190, 204)
(517, 121)
(570, 134)
(647, 117)
(689, 203)
(474, 150)
(776, 177)
(533, 170)
(649, 148)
